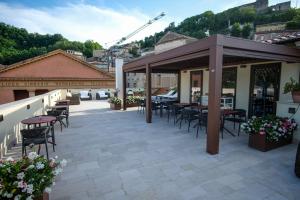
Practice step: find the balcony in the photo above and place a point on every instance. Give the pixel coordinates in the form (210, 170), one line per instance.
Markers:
(115, 155)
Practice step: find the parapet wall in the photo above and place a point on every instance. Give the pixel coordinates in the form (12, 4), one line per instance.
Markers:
(11, 115)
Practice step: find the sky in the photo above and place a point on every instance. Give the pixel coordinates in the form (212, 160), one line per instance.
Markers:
(105, 21)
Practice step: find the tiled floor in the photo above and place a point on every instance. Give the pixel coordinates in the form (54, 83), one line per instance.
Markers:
(115, 155)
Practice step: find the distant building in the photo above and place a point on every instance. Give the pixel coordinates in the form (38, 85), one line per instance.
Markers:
(172, 40)
(275, 33)
(2, 66)
(77, 54)
(169, 41)
(263, 5)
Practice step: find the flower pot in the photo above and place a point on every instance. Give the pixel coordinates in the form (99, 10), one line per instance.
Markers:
(44, 197)
(297, 163)
(131, 105)
(259, 142)
(296, 96)
(115, 106)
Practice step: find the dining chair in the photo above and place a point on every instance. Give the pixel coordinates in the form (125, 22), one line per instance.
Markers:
(36, 136)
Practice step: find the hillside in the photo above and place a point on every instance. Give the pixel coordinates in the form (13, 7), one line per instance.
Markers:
(17, 44)
(241, 20)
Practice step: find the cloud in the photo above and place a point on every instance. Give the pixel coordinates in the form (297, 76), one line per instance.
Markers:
(81, 21)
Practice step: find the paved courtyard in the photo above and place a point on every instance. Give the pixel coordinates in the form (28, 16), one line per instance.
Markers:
(115, 155)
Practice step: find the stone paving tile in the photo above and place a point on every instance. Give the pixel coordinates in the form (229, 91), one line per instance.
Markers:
(115, 155)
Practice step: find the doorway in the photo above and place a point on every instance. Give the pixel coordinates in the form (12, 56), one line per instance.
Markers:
(264, 89)
(196, 86)
(21, 94)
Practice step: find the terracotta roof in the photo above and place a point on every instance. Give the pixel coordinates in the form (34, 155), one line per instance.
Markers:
(284, 38)
(171, 36)
(52, 53)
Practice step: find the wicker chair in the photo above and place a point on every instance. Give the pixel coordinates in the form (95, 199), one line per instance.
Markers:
(35, 136)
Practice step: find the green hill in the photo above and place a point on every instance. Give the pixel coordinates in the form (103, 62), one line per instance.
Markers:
(17, 44)
(241, 20)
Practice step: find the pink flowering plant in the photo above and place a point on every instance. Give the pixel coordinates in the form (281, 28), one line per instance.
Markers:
(275, 128)
(29, 177)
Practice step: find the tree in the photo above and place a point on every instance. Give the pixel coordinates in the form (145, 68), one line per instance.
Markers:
(236, 30)
(246, 32)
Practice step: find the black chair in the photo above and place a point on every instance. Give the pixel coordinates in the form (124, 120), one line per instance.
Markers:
(175, 111)
(202, 121)
(141, 105)
(52, 135)
(155, 106)
(188, 115)
(59, 114)
(65, 112)
(239, 118)
(35, 136)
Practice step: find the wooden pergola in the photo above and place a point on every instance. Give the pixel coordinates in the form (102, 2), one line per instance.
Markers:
(214, 52)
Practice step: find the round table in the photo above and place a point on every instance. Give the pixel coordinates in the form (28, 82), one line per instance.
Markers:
(38, 120)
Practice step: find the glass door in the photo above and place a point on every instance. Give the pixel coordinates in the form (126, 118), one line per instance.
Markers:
(229, 77)
(196, 86)
(264, 89)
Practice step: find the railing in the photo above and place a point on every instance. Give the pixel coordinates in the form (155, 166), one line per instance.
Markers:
(11, 115)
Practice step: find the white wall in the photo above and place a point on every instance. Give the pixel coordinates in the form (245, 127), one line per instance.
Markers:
(185, 87)
(285, 100)
(243, 87)
(14, 112)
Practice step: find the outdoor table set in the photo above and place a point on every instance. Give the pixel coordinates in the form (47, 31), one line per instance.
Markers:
(41, 128)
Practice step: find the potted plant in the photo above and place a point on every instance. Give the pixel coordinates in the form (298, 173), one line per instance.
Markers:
(132, 101)
(269, 132)
(29, 178)
(294, 88)
(115, 103)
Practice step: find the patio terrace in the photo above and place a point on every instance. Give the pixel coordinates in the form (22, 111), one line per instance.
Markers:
(115, 155)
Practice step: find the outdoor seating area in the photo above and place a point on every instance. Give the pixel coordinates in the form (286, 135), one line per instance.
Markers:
(134, 160)
(40, 129)
(194, 115)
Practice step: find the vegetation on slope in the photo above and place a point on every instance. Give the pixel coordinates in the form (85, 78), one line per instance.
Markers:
(17, 44)
(238, 22)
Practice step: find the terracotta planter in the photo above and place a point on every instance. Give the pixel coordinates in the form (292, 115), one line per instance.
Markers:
(297, 163)
(44, 197)
(296, 96)
(259, 142)
(132, 105)
(115, 106)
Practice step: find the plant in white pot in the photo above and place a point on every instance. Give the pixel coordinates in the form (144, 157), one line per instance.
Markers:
(293, 87)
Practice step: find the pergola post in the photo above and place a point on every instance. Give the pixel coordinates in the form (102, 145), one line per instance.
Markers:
(148, 95)
(124, 90)
(179, 86)
(214, 98)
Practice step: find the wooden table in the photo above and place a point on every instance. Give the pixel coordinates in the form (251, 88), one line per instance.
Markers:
(38, 120)
(182, 104)
(63, 102)
(60, 107)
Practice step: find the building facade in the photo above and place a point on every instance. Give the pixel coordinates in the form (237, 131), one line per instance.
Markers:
(161, 80)
(55, 70)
